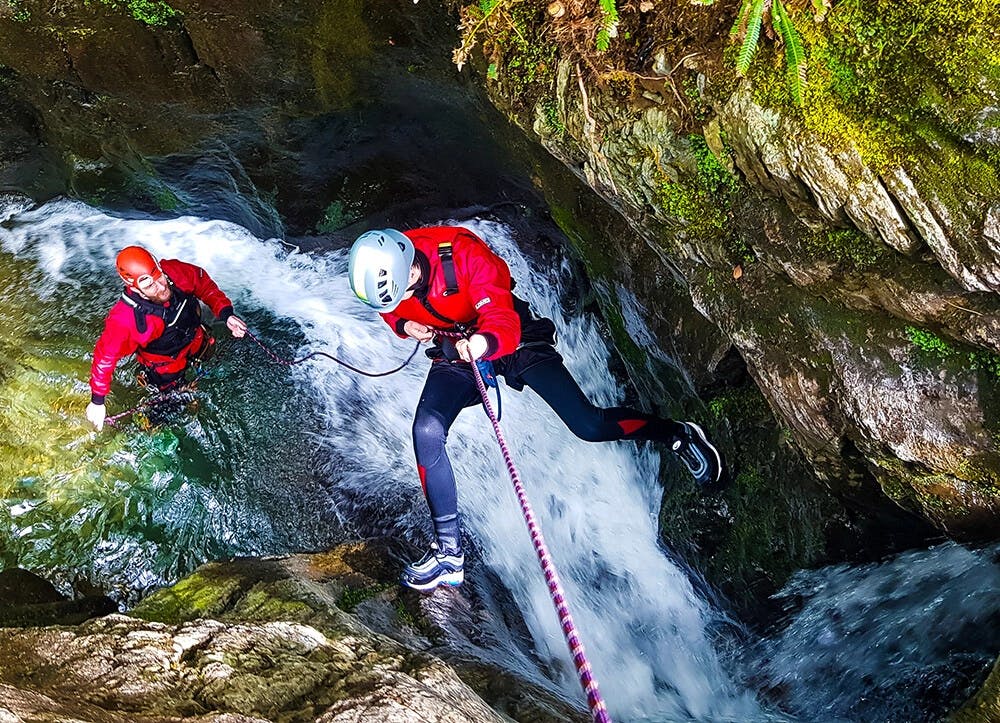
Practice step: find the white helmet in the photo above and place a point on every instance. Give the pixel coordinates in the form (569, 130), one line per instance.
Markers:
(379, 268)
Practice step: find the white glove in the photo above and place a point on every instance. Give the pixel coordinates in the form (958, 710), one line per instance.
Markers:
(473, 349)
(96, 414)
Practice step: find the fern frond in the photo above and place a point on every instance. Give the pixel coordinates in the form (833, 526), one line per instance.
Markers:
(795, 55)
(740, 26)
(609, 24)
(754, 21)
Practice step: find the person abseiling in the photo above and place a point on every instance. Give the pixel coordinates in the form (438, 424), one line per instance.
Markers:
(446, 278)
(158, 317)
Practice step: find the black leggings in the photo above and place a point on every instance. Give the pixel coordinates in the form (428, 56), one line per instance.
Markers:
(450, 387)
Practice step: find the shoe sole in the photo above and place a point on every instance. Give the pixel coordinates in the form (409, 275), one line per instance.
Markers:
(715, 452)
(453, 579)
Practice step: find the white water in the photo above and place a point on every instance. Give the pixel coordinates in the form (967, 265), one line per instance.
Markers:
(648, 634)
(867, 642)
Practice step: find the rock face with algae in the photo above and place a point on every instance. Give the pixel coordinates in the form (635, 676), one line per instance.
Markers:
(846, 248)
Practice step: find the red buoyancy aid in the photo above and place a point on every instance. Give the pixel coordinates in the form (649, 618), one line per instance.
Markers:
(162, 339)
(478, 296)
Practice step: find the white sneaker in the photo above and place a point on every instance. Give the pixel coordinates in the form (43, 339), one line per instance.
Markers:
(698, 454)
(435, 568)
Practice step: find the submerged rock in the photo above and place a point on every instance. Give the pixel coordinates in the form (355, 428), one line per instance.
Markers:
(28, 600)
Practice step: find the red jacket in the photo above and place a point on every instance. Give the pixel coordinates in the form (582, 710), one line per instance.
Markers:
(484, 297)
(122, 335)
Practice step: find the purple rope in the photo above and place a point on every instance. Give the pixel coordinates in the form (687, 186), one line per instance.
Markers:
(594, 701)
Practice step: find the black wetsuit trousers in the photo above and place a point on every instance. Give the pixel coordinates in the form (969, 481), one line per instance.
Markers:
(451, 386)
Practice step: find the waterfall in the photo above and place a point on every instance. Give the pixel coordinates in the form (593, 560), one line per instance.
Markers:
(283, 459)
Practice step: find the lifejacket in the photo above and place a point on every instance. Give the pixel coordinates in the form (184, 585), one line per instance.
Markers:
(182, 333)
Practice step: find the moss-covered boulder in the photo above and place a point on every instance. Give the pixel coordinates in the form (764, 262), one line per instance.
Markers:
(304, 638)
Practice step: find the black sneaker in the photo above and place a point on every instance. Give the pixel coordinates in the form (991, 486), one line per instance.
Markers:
(698, 454)
(435, 568)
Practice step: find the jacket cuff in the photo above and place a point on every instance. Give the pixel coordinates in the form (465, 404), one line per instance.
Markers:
(400, 323)
(492, 344)
(97, 398)
(225, 312)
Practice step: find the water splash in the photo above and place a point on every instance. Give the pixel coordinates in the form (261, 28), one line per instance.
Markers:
(898, 640)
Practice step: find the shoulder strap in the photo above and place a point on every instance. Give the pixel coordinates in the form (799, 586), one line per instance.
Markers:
(137, 311)
(448, 268)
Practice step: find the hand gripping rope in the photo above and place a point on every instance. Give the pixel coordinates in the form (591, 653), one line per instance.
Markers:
(598, 710)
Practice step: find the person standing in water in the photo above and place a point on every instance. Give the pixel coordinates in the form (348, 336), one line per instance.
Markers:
(158, 317)
(446, 278)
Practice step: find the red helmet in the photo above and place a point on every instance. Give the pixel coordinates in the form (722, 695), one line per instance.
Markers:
(134, 262)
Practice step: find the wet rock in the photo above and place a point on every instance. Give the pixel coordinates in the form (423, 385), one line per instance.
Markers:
(264, 640)
(984, 706)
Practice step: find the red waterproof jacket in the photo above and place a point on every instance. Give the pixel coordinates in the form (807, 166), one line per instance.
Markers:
(130, 327)
(483, 298)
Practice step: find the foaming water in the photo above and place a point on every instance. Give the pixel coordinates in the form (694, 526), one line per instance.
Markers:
(642, 622)
(898, 640)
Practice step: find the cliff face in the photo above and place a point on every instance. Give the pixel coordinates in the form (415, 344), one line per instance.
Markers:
(847, 250)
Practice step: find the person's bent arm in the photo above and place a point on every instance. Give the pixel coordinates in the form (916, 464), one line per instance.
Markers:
(196, 280)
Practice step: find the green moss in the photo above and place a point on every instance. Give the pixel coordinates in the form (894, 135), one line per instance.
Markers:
(272, 602)
(715, 178)
(623, 341)
(740, 403)
(333, 43)
(700, 199)
(850, 248)
(526, 55)
(895, 81)
(550, 112)
(150, 12)
(934, 349)
(775, 521)
(405, 616)
(595, 257)
(929, 342)
(205, 593)
(166, 199)
(18, 11)
(353, 596)
(336, 217)
(516, 41)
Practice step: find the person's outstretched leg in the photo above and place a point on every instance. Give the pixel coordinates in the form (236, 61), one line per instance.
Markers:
(449, 389)
(553, 383)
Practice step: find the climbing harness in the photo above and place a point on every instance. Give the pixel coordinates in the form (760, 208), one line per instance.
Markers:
(595, 702)
(291, 362)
